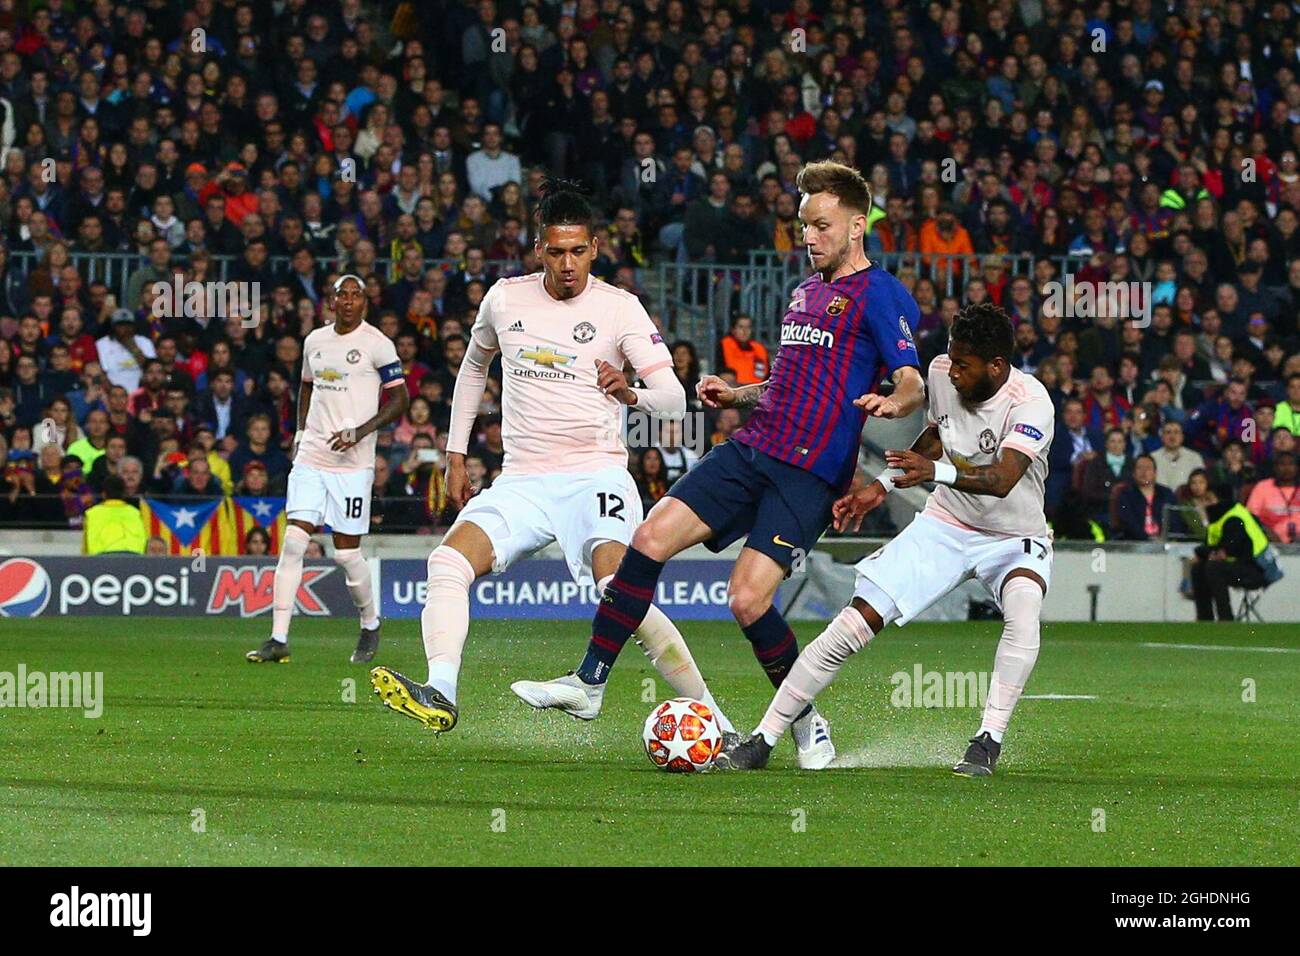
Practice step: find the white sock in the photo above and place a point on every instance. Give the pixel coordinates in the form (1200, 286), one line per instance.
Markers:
(288, 576)
(443, 677)
(444, 622)
(1022, 605)
(991, 731)
(356, 572)
(813, 671)
(659, 638)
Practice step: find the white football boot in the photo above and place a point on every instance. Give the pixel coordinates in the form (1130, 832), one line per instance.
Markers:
(812, 739)
(570, 694)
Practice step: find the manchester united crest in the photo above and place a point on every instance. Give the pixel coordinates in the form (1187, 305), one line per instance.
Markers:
(354, 356)
(988, 441)
(584, 332)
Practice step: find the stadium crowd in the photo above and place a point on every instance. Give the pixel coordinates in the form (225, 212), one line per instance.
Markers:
(1153, 143)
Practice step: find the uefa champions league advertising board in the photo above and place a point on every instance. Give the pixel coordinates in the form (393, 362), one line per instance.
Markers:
(688, 591)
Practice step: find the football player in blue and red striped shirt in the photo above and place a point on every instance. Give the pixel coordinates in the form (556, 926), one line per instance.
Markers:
(849, 326)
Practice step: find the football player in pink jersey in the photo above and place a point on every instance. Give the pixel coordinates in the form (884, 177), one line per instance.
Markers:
(985, 446)
(347, 368)
(564, 338)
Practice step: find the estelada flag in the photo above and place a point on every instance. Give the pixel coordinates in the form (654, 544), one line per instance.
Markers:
(267, 513)
(203, 525)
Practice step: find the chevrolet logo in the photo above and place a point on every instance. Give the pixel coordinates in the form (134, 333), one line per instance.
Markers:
(545, 355)
(329, 375)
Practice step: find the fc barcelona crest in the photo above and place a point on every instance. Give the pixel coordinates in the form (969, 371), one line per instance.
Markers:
(837, 305)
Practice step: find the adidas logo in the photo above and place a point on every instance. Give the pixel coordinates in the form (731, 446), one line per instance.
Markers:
(517, 327)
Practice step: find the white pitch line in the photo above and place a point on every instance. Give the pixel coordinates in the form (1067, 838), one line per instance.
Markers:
(1225, 647)
(1059, 697)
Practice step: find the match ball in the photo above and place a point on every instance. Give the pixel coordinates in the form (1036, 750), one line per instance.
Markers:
(682, 736)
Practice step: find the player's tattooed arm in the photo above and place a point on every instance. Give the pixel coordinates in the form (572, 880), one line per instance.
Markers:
(748, 396)
(714, 392)
(995, 480)
(393, 405)
(907, 396)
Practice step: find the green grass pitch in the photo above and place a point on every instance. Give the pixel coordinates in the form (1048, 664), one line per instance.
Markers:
(286, 771)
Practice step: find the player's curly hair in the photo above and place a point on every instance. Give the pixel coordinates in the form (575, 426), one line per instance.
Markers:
(564, 203)
(986, 330)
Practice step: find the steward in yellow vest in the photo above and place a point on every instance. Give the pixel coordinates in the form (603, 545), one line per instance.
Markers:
(1236, 554)
(114, 525)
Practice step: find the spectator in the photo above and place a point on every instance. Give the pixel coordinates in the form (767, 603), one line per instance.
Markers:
(94, 443)
(114, 526)
(131, 471)
(744, 356)
(416, 421)
(652, 479)
(707, 223)
(677, 458)
(1220, 420)
(257, 543)
(1103, 408)
(197, 479)
(1102, 473)
(257, 446)
(943, 240)
(490, 450)
(220, 407)
(492, 165)
(1196, 497)
(1174, 463)
(686, 366)
(1073, 441)
(1287, 413)
(123, 352)
(1233, 471)
(1145, 510)
(1274, 500)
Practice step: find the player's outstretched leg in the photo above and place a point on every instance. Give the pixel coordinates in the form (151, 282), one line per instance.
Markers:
(1022, 606)
(812, 673)
(288, 577)
(444, 623)
(413, 699)
(356, 573)
(662, 643)
(750, 593)
(626, 600)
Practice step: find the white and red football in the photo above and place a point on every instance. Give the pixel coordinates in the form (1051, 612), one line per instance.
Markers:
(682, 736)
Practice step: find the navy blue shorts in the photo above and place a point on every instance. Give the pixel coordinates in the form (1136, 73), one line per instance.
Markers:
(737, 490)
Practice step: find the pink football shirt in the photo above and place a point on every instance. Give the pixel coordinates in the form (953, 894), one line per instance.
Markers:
(554, 418)
(347, 373)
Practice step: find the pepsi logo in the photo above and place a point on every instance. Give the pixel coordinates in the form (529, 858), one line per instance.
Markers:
(24, 588)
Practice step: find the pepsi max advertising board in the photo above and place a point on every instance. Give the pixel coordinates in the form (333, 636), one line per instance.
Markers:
(170, 587)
